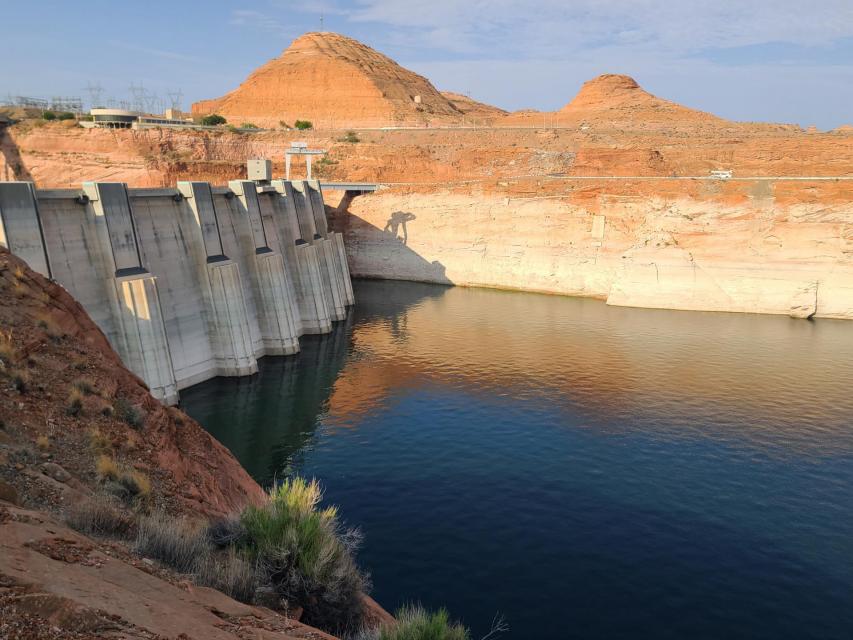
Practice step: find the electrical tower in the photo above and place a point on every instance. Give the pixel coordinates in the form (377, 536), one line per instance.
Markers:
(175, 99)
(95, 92)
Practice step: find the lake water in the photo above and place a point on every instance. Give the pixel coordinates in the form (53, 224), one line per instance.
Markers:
(587, 471)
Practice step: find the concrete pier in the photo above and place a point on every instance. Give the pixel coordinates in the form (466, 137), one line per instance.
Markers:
(186, 283)
(330, 271)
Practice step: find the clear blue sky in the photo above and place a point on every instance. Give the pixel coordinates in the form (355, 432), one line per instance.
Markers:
(782, 61)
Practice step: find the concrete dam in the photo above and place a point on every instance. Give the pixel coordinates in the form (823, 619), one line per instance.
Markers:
(192, 282)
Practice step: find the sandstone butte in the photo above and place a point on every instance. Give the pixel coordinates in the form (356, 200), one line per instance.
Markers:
(56, 582)
(610, 200)
(332, 80)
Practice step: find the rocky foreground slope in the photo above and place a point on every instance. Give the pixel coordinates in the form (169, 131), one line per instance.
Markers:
(67, 405)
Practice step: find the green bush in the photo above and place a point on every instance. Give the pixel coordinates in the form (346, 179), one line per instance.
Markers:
(302, 125)
(249, 125)
(48, 115)
(306, 556)
(213, 120)
(65, 115)
(415, 623)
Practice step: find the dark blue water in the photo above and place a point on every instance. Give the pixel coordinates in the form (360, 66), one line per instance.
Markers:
(587, 471)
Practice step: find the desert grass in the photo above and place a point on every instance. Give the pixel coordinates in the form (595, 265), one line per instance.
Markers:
(175, 542)
(233, 572)
(74, 405)
(128, 413)
(107, 468)
(100, 515)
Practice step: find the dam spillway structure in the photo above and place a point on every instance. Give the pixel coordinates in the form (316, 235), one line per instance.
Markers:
(192, 282)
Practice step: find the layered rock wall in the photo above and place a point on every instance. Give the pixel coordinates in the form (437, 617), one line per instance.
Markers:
(631, 250)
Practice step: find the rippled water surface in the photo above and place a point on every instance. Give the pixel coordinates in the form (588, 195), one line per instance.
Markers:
(587, 471)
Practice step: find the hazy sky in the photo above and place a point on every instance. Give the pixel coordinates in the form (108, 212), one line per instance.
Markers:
(783, 61)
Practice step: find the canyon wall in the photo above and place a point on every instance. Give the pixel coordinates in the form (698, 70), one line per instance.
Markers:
(187, 283)
(751, 254)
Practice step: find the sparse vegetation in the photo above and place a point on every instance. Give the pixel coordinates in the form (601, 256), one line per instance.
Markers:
(249, 125)
(135, 484)
(306, 555)
(415, 623)
(98, 442)
(7, 349)
(351, 137)
(65, 115)
(283, 124)
(51, 328)
(107, 468)
(101, 516)
(128, 413)
(20, 381)
(48, 115)
(84, 386)
(175, 542)
(74, 407)
(303, 125)
(213, 120)
(43, 443)
(232, 572)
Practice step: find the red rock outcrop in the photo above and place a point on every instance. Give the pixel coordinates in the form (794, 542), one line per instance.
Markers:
(618, 101)
(332, 80)
(51, 343)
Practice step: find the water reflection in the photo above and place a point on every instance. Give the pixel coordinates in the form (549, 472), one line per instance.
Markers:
(590, 471)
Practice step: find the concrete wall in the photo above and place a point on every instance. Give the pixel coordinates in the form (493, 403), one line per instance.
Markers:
(187, 283)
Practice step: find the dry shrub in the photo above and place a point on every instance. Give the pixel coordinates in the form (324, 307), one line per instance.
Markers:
(7, 348)
(128, 413)
(100, 515)
(175, 542)
(136, 483)
(232, 572)
(107, 468)
(99, 443)
(50, 327)
(74, 406)
(84, 386)
(43, 443)
(20, 380)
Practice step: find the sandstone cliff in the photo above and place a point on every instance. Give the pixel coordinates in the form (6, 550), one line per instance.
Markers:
(614, 101)
(332, 80)
(476, 113)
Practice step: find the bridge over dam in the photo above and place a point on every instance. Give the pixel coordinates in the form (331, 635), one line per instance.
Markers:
(192, 282)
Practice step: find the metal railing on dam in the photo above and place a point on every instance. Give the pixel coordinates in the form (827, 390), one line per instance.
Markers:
(187, 283)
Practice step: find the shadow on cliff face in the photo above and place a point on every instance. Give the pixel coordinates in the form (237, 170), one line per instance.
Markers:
(397, 222)
(13, 165)
(391, 242)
